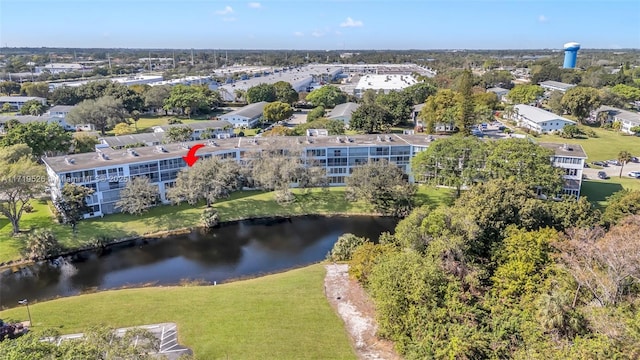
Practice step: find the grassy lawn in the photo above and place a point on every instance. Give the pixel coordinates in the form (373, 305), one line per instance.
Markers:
(281, 316)
(241, 204)
(605, 147)
(597, 191)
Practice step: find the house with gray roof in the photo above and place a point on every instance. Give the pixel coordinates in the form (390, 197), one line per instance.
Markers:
(343, 112)
(627, 119)
(218, 129)
(539, 120)
(17, 102)
(25, 119)
(60, 110)
(245, 117)
(556, 86)
(501, 93)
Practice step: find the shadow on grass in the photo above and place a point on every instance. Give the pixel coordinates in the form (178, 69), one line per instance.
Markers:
(598, 191)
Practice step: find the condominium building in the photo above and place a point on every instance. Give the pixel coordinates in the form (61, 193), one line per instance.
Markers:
(539, 120)
(108, 170)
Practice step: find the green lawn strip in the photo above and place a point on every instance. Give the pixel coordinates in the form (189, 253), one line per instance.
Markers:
(604, 147)
(240, 205)
(281, 316)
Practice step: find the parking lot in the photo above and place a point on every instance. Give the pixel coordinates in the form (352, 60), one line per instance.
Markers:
(612, 171)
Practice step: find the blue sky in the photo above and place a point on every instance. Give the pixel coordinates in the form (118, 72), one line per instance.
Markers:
(320, 25)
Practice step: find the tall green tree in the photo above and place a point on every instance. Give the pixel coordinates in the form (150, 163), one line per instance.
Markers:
(418, 93)
(43, 138)
(371, 118)
(38, 89)
(138, 196)
(580, 101)
(555, 102)
(285, 93)
(328, 96)
(9, 87)
(189, 99)
(524, 162)
(155, 97)
(397, 104)
(65, 95)
(102, 113)
(441, 108)
(178, 134)
(83, 143)
(525, 94)
(208, 179)
(261, 92)
(466, 117)
(626, 92)
(455, 162)
(21, 180)
(334, 127)
(383, 185)
(72, 204)
(621, 204)
(277, 111)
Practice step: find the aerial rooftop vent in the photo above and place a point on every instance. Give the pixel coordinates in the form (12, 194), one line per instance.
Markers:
(350, 140)
(309, 140)
(212, 143)
(338, 139)
(378, 138)
(132, 152)
(567, 147)
(389, 138)
(161, 149)
(69, 161)
(104, 156)
(185, 146)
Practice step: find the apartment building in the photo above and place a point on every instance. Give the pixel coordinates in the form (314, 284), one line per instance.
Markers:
(108, 170)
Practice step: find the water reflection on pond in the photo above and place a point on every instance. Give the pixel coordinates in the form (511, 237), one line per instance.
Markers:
(233, 251)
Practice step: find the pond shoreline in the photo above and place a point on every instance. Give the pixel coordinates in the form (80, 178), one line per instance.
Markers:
(260, 220)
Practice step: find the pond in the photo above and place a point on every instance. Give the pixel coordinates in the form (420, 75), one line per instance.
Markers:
(236, 250)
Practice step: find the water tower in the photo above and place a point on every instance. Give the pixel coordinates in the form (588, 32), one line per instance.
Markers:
(570, 54)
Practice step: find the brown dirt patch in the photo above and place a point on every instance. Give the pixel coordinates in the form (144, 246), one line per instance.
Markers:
(356, 309)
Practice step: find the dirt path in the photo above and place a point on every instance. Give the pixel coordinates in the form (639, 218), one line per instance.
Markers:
(355, 308)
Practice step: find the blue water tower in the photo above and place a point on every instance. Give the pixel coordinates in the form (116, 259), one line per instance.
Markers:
(570, 55)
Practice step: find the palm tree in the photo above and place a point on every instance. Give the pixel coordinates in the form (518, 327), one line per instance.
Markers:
(239, 94)
(603, 117)
(623, 157)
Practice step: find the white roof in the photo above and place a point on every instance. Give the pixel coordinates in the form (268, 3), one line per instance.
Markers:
(538, 115)
(385, 82)
(557, 84)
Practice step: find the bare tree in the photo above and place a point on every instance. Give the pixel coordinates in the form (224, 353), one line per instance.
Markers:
(209, 179)
(607, 266)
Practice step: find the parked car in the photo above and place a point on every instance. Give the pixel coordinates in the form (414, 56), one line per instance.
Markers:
(613, 162)
(635, 159)
(602, 175)
(599, 163)
(635, 174)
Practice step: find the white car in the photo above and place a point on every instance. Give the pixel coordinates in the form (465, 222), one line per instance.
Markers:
(635, 174)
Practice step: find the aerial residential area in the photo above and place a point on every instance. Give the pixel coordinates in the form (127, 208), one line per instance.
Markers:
(319, 180)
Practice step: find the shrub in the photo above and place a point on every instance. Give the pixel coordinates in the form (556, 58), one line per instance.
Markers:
(345, 246)
(364, 258)
(210, 218)
(174, 121)
(42, 244)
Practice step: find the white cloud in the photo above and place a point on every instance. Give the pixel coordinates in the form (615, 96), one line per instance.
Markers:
(298, 34)
(229, 19)
(255, 5)
(227, 10)
(352, 23)
(317, 33)
(542, 19)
